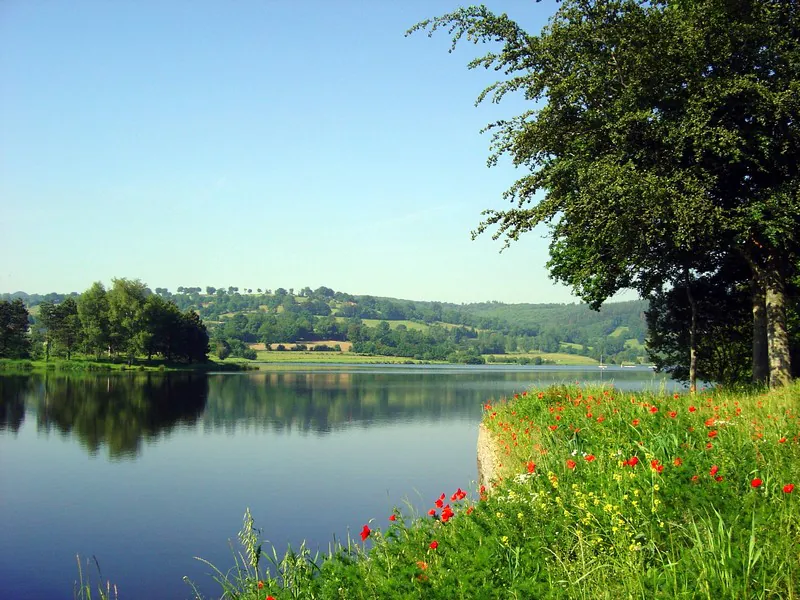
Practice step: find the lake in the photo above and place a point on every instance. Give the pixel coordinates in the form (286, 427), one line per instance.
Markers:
(146, 471)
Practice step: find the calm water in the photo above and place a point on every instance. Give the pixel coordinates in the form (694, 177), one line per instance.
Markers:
(147, 471)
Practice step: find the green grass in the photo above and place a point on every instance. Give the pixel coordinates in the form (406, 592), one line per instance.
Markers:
(619, 331)
(392, 324)
(556, 358)
(141, 364)
(601, 494)
(274, 356)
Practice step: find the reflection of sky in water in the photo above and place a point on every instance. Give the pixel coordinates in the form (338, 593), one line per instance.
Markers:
(412, 436)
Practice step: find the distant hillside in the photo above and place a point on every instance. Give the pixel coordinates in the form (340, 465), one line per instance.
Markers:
(422, 330)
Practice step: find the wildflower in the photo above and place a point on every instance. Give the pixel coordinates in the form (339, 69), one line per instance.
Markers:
(392, 517)
(788, 488)
(673, 414)
(270, 598)
(635, 422)
(713, 470)
(678, 461)
(709, 446)
(422, 564)
(365, 533)
(692, 409)
(654, 409)
(261, 585)
(434, 545)
(552, 427)
(600, 419)
(432, 512)
(589, 457)
(632, 461)
(719, 478)
(756, 483)
(782, 440)
(712, 434)
(439, 503)
(695, 477)
(571, 464)
(470, 509)
(531, 466)
(447, 512)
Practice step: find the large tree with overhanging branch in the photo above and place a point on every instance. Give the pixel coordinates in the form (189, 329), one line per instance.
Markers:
(662, 141)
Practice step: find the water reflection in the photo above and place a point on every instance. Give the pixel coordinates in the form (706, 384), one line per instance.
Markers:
(117, 412)
(122, 411)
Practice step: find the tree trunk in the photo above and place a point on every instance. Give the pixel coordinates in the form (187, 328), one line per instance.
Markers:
(760, 353)
(780, 371)
(692, 336)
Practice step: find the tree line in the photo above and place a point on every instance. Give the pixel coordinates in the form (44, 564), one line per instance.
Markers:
(126, 321)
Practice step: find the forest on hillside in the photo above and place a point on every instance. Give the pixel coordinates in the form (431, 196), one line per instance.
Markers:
(423, 330)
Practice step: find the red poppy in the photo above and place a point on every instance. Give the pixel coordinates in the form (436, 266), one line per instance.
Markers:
(365, 533)
(709, 422)
(540, 395)
(439, 503)
(692, 409)
(678, 461)
(712, 434)
(571, 464)
(470, 509)
(422, 564)
(756, 482)
(531, 466)
(447, 513)
(709, 446)
(782, 440)
(635, 422)
(633, 461)
(552, 427)
(788, 488)
(673, 414)
(654, 409)
(434, 545)
(432, 512)
(719, 478)
(589, 457)
(270, 598)
(260, 585)
(695, 477)
(713, 470)
(392, 518)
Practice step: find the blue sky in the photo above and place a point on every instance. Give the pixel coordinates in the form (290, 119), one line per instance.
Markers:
(258, 144)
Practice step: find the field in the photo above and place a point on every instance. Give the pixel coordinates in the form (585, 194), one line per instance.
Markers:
(556, 358)
(328, 357)
(392, 324)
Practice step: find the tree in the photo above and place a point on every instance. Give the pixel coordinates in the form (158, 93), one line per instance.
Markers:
(14, 341)
(210, 290)
(93, 313)
(63, 329)
(126, 300)
(665, 141)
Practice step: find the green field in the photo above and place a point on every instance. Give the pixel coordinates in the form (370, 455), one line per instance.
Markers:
(558, 358)
(273, 356)
(392, 324)
(619, 331)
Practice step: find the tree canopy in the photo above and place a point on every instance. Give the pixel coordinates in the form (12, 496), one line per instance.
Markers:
(661, 140)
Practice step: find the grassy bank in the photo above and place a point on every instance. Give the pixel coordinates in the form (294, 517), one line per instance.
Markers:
(86, 365)
(602, 494)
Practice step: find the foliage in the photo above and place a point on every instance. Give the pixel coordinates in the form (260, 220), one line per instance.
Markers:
(14, 342)
(663, 135)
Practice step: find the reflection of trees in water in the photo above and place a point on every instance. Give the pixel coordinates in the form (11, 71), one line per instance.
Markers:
(13, 390)
(322, 402)
(117, 411)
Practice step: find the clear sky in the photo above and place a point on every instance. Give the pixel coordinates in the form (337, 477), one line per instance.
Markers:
(254, 143)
